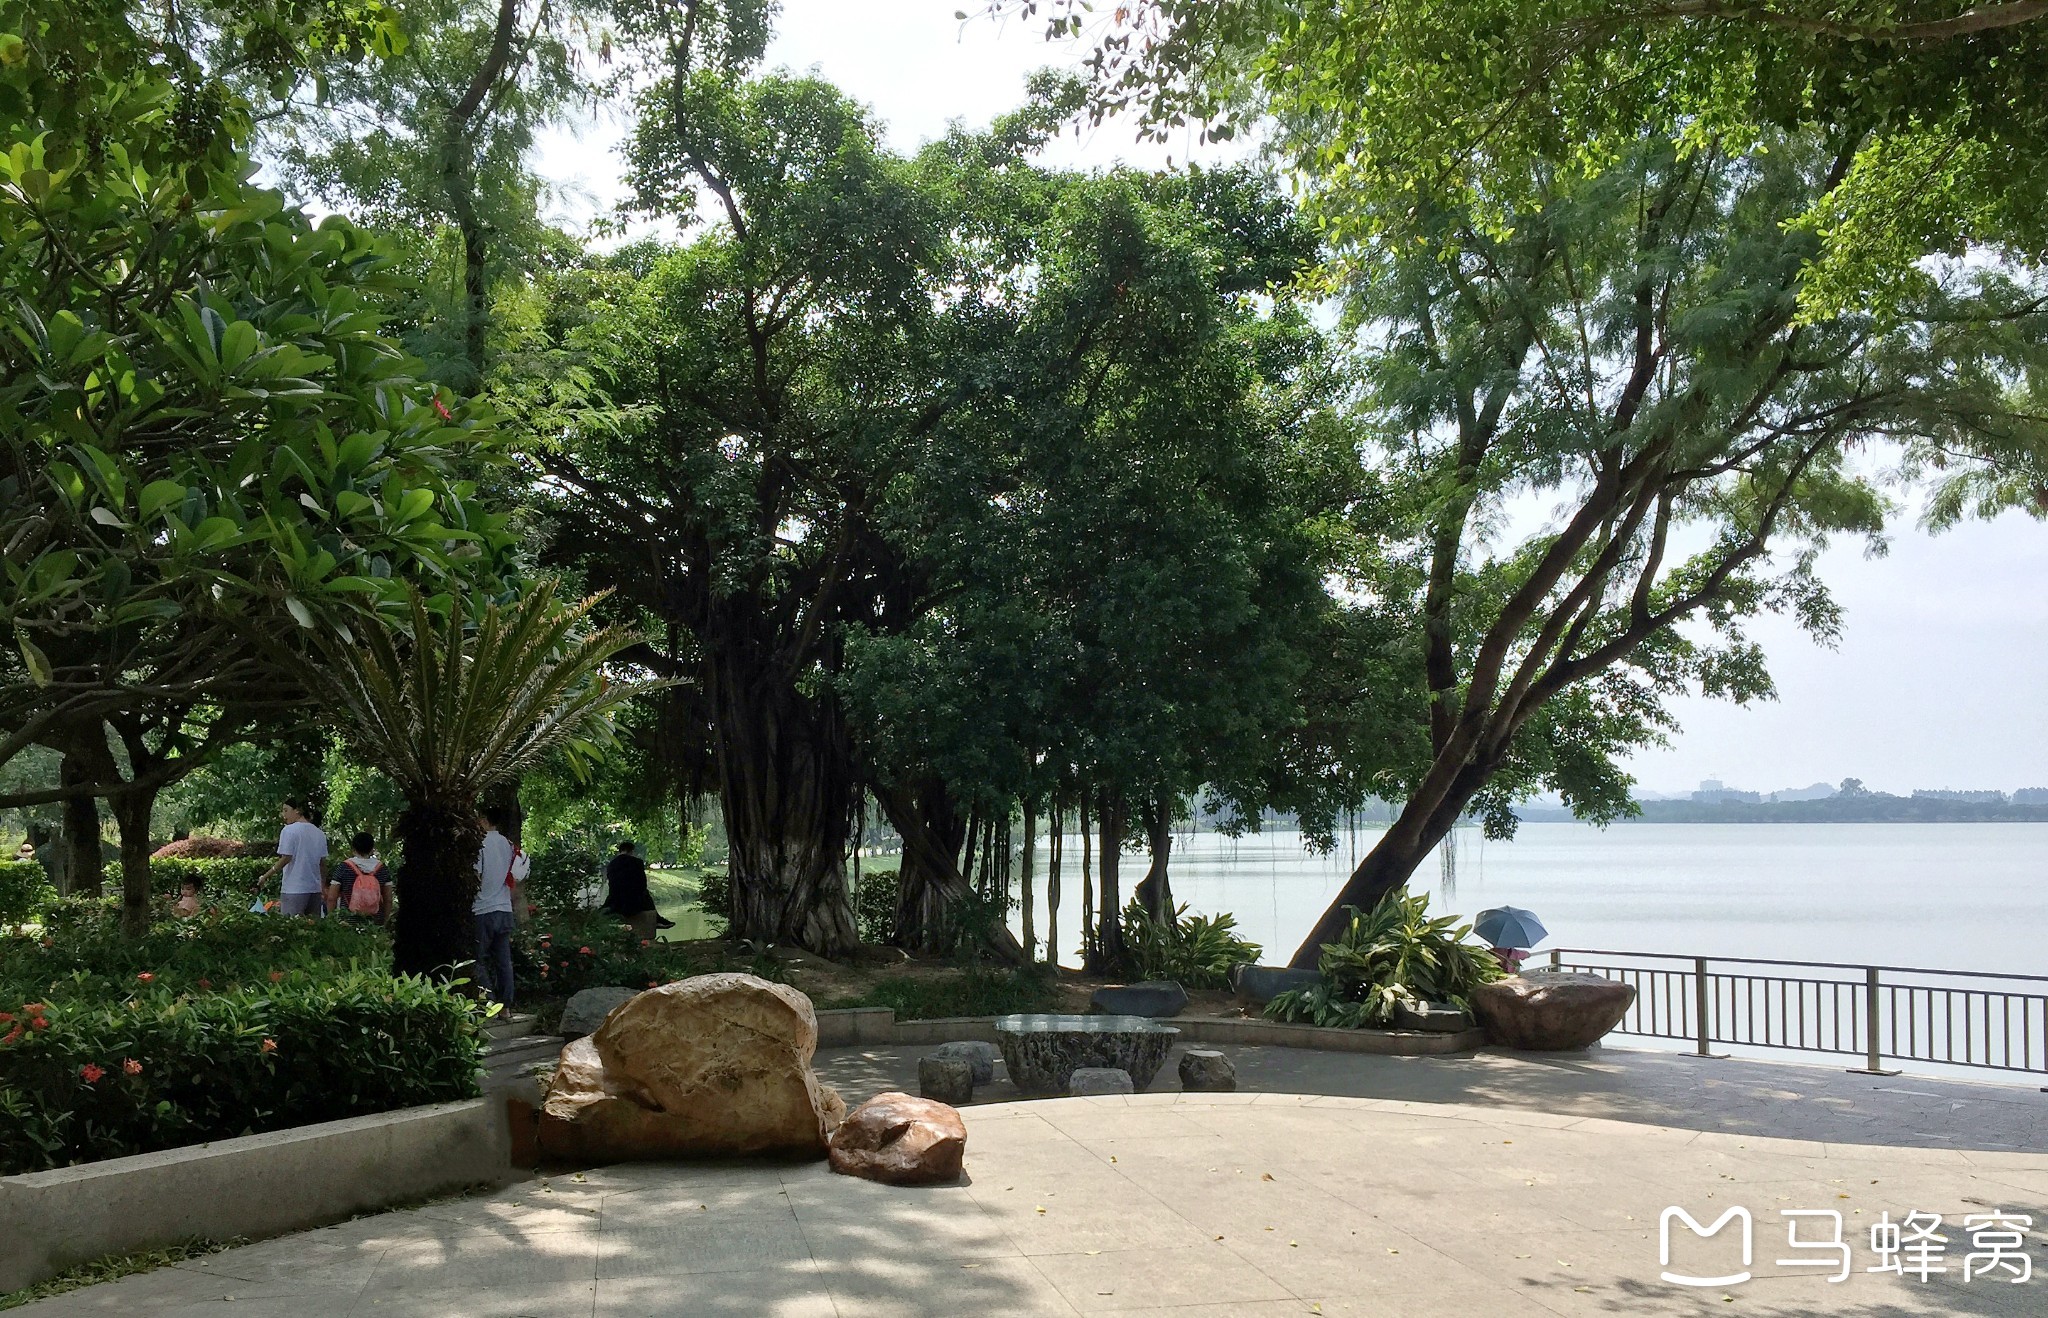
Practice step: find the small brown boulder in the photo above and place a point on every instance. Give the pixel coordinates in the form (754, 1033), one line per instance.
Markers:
(712, 1066)
(900, 1140)
(1547, 1011)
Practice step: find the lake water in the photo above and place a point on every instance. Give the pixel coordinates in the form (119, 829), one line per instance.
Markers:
(1938, 896)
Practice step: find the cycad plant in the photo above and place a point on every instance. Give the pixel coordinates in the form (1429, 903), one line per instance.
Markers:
(452, 705)
(1392, 955)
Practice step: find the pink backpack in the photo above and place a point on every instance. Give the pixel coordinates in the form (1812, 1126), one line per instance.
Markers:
(365, 893)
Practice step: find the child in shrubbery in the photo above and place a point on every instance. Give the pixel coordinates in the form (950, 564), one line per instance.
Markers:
(187, 904)
(361, 884)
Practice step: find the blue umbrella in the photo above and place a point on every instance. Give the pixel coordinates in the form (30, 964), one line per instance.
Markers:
(1510, 926)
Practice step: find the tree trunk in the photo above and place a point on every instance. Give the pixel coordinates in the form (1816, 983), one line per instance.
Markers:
(1089, 961)
(83, 863)
(1025, 862)
(1155, 891)
(1387, 867)
(785, 780)
(930, 886)
(432, 931)
(132, 810)
(1110, 958)
(1056, 846)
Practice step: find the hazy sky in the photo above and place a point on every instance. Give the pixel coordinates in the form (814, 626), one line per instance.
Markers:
(1941, 677)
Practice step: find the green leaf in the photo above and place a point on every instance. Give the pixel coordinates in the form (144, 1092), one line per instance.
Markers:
(299, 611)
(38, 662)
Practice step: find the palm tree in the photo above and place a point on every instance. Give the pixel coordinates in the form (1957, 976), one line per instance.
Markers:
(451, 707)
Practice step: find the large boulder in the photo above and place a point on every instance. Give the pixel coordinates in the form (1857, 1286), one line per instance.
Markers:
(588, 1007)
(1155, 999)
(900, 1140)
(1551, 1011)
(1258, 985)
(712, 1066)
(1088, 1080)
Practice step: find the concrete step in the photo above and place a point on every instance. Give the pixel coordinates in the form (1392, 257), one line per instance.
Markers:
(528, 1048)
(513, 1026)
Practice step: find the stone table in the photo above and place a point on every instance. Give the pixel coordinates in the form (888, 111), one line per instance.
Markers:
(1043, 1050)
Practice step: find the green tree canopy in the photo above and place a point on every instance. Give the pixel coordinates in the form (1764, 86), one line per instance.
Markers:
(1605, 437)
(1386, 107)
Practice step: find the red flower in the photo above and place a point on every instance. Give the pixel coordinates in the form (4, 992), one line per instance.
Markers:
(91, 1073)
(145, 977)
(270, 1045)
(6, 1017)
(276, 975)
(34, 1008)
(206, 983)
(38, 1023)
(647, 942)
(583, 951)
(543, 970)
(442, 408)
(131, 1066)
(12, 1035)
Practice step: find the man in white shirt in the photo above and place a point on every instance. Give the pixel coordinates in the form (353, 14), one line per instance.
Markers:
(492, 911)
(301, 854)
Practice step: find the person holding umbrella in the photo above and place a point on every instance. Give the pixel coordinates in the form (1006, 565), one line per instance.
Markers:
(1512, 931)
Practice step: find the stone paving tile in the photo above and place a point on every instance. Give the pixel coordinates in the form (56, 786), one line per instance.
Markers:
(894, 1289)
(1148, 1278)
(796, 1291)
(697, 1244)
(435, 1297)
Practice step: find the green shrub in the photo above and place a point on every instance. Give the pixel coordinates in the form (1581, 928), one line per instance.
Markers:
(1195, 951)
(972, 992)
(561, 872)
(874, 905)
(1396, 954)
(25, 891)
(227, 882)
(82, 953)
(108, 1076)
(714, 893)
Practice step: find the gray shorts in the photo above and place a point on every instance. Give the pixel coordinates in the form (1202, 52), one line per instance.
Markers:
(301, 903)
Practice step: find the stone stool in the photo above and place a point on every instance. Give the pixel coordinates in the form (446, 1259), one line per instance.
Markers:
(1100, 1080)
(946, 1079)
(981, 1057)
(1206, 1071)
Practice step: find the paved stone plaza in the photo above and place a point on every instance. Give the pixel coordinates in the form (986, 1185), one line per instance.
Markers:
(1466, 1186)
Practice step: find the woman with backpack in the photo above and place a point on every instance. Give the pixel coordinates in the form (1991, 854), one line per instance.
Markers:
(361, 885)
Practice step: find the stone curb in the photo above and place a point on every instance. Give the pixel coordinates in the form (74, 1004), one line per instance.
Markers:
(251, 1187)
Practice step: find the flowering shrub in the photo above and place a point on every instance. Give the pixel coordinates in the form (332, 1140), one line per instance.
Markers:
(555, 958)
(90, 1077)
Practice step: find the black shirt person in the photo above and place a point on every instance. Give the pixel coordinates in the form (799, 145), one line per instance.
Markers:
(626, 895)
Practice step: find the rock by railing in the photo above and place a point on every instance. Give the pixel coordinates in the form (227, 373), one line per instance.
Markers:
(1880, 1013)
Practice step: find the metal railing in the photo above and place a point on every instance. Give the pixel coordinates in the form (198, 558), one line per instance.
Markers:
(1899, 1013)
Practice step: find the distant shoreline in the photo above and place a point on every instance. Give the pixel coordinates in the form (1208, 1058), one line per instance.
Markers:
(1862, 808)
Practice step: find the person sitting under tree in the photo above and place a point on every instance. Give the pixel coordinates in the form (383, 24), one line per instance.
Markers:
(626, 894)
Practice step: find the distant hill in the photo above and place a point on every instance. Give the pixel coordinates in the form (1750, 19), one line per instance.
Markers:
(1843, 808)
